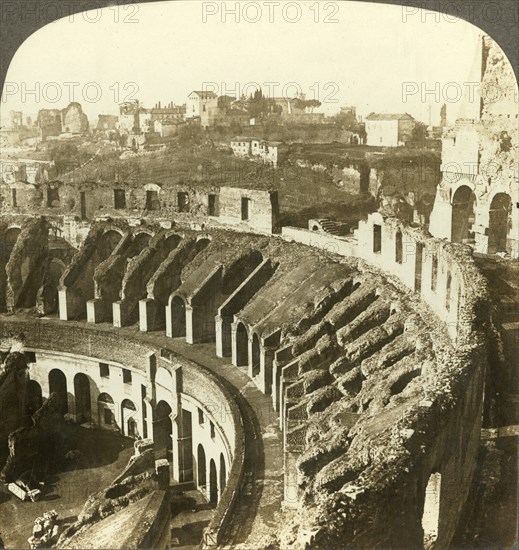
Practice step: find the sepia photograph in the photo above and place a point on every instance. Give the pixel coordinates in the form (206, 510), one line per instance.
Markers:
(259, 275)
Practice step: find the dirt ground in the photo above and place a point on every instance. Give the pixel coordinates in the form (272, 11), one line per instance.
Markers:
(103, 456)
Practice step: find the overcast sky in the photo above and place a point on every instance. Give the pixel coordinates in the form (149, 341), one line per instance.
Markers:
(377, 57)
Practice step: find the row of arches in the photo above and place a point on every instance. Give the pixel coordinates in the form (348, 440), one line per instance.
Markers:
(83, 402)
(215, 485)
(464, 216)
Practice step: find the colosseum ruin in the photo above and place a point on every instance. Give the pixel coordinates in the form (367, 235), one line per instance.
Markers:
(318, 390)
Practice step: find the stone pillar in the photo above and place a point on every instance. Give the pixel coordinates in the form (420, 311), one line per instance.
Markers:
(191, 332)
(97, 311)
(147, 314)
(169, 325)
(234, 345)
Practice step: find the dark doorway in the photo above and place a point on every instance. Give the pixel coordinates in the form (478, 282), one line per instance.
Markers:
(201, 468)
(83, 400)
(242, 346)
(212, 206)
(245, 208)
(223, 474)
(162, 431)
(58, 385)
(119, 199)
(178, 317)
(255, 355)
(463, 204)
(377, 238)
(498, 223)
(213, 483)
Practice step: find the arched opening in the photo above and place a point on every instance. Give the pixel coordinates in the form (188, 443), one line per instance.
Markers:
(223, 473)
(255, 355)
(201, 466)
(499, 217)
(398, 247)
(82, 397)
(140, 242)
(107, 244)
(213, 483)
(106, 409)
(162, 431)
(58, 385)
(49, 291)
(128, 414)
(178, 317)
(431, 510)
(34, 397)
(463, 205)
(242, 345)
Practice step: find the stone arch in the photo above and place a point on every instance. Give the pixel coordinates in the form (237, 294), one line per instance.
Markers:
(499, 217)
(58, 385)
(463, 208)
(178, 316)
(82, 398)
(201, 466)
(162, 430)
(106, 410)
(128, 414)
(223, 473)
(34, 397)
(107, 243)
(256, 355)
(213, 483)
(242, 345)
(431, 510)
(141, 240)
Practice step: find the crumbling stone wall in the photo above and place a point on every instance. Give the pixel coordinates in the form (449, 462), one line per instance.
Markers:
(26, 265)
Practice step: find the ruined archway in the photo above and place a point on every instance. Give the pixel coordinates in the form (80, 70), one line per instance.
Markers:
(256, 355)
(178, 317)
(58, 385)
(499, 217)
(242, 345)
(213, 483)
(128, 414)
(463, 205)
(34, 397)
(201, 468)
(162, 430)
(82, 398)
(106, 410)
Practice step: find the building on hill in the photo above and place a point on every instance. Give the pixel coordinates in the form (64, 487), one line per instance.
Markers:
(204, 105)
(389, 130)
